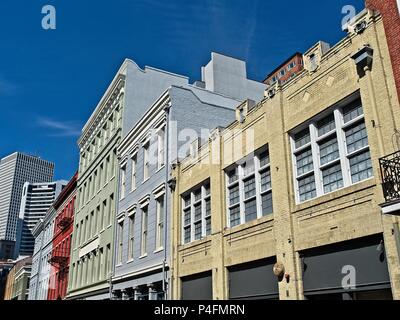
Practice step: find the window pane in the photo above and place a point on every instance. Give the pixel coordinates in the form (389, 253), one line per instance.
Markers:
(208, 226)
(187, 217)
(197, 230)
(197, 212)
(207, 188)
(249, 167)
(197, 195)
(302, 138)
(264, 159)
(187, 234)
(332, 178)
(352, 111)
(233, 175)
(356, 137)
(235, 216)
(326, 125)
(251, 210)
(187, 201)
(250, 188)
(234, 197)
(267, 207)
(361, 167)
(208, 207)
(266, 180)
(307, 188)
(329, 151)
(304, 162)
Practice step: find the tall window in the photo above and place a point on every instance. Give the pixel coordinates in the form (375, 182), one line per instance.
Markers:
(331, 152)
(120, 241)
(160, 223)
(133, 176)
(145, 215)
(196, 215)
(123, 182)
(249, 194)
(146, 161)
(106, 168)
(131, 243)
(161, 148)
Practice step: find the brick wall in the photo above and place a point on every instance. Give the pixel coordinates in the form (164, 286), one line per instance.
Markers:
(391, 19)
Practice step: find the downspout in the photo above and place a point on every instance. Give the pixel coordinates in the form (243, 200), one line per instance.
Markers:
(40, 263)
(167, 173)
(115, 244)
(117, 197)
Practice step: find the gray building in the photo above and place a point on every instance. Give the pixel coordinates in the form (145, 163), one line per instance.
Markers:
(37, 198)
(130, 93)
(15, 170)
(175, 124)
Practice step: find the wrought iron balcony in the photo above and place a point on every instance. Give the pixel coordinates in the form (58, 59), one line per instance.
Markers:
(390, 169)
(58, 261)
(64, 222)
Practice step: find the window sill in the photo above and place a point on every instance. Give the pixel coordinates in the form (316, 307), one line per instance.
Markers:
(144, 181)
(161, 168)
(158, 250)
(343, 192)
(143, 256)
(130, 261)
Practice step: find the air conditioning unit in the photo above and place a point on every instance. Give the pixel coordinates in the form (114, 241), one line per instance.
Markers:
(271, 93)
(360, 27)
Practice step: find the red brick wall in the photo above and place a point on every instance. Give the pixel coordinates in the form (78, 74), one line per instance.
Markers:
(391, 21)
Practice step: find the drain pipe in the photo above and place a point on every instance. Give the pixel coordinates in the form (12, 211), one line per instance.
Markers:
(167, 173)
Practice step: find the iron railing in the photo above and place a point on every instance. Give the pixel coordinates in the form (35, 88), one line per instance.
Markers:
(390, 170)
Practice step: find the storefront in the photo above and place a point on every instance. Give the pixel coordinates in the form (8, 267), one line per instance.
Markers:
(253, 281)
(353, 270)
(197, 287)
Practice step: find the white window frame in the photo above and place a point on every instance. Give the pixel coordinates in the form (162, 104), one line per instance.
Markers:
(144, 227)
(204, 196)
(131, 243)
(146, 160)
(315, 140)
(240, 182)
(134, 171)
(160, 223)
(161, 147)
(123, 182)
(120, 240)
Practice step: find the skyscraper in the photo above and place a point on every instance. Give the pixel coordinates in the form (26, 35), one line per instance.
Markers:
(15, 170)
(37, 198)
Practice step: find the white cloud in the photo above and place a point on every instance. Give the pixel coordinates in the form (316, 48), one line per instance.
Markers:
(59, 128)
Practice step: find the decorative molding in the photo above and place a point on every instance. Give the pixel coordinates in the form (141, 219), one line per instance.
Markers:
(159, 191)
(145, 201)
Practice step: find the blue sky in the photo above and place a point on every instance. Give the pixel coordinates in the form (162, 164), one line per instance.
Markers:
(51, 81)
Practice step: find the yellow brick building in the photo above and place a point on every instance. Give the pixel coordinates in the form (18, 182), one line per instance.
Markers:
(285, 202)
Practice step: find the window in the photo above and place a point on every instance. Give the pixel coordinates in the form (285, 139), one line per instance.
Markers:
(133, 176)
(146, 162)
(161, 148)
(143, 247)
(160, 223)
(123, 182)
(332, 152)
(249, 189)
(196, 215)
(131, 243)
(120, 241)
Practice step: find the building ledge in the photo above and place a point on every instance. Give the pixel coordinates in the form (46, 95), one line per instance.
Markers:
(391, 208)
